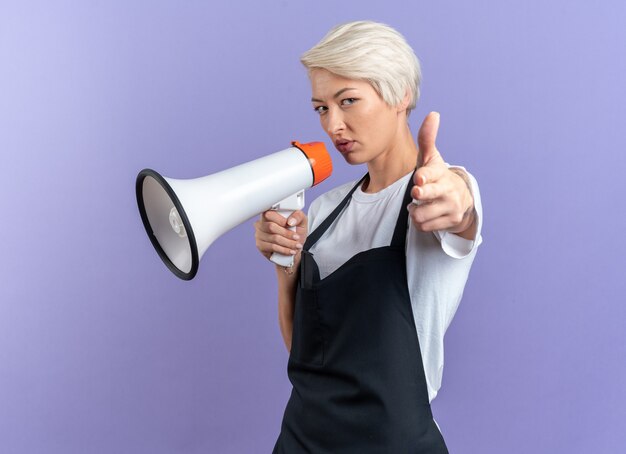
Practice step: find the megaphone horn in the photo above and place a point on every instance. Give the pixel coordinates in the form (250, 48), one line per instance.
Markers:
(183, 217)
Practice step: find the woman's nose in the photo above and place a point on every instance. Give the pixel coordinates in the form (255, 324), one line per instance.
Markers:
(334, 121)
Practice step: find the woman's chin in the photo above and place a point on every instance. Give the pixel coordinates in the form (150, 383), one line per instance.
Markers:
(353, 159)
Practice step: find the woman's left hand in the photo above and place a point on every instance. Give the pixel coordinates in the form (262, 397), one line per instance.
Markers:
(443, 195)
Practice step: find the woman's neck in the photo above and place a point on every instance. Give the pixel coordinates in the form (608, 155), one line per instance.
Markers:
(394, 163)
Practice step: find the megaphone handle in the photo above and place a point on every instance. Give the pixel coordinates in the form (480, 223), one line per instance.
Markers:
(280, 259)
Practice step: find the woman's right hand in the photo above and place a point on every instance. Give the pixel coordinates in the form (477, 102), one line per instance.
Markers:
(272, 234)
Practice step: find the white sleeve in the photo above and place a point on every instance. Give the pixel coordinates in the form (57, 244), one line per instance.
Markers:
(452, 244)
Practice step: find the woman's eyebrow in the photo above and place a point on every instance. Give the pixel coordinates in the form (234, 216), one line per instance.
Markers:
(339, 93)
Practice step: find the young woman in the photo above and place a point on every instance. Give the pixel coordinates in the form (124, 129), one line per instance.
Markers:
(380, 264)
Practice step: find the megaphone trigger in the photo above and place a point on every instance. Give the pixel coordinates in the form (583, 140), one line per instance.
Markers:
(285, 208)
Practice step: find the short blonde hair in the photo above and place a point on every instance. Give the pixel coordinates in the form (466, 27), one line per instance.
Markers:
(372, 52)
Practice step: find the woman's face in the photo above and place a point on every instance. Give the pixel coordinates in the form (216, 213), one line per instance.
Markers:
(362, 126)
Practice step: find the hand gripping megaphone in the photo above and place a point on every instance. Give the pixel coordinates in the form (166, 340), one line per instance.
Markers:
(183, 217)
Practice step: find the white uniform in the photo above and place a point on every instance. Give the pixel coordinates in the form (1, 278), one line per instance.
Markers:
(437, 263)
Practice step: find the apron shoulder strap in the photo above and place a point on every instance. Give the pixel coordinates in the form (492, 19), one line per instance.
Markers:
(321, 229)
(399, 233)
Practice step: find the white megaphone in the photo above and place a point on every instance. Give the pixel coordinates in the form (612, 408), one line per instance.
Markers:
(183, 217)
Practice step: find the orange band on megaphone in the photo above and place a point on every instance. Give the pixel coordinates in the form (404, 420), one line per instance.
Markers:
(319, 158)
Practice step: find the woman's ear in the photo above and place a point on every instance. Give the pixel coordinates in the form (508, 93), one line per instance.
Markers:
(404, 104)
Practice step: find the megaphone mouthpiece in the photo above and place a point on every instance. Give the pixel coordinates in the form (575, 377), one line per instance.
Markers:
(321, 164)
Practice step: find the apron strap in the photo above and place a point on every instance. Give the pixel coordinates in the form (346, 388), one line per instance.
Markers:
(399, 234)
(321, 229)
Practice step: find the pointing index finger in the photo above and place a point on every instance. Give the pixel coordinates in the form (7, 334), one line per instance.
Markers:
(428, 174)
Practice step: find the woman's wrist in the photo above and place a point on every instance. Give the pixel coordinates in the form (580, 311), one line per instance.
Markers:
(288, 270)
(288, 274)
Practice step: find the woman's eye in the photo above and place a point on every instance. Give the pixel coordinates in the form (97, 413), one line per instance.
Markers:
(348, 101)
(320, 109)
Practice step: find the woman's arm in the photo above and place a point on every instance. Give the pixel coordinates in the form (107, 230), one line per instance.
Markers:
(273, 235)
(286, 302)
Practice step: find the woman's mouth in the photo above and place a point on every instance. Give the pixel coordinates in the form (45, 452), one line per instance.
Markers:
(344, 146)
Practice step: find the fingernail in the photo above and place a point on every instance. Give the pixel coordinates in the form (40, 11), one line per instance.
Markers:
(291, 222)
(299, 246)
(296, 236)
(292, 252)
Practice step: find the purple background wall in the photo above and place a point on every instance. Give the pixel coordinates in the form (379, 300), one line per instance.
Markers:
(102, 350)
